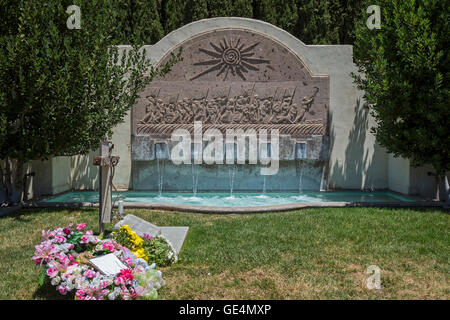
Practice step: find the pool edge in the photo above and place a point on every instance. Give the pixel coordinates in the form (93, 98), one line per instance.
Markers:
(231, 210)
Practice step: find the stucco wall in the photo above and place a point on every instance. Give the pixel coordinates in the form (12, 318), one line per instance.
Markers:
(399, 174)
(51, 176)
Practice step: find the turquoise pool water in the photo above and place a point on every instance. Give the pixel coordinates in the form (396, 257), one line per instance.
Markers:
(237, 199)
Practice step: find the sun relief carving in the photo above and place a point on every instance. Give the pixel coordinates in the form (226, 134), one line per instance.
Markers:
(230, 57)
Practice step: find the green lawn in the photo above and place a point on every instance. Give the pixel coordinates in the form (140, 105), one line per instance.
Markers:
(306, 254)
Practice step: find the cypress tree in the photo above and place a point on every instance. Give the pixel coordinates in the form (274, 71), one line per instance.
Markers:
(220, 8)
(174, 17)
(242, 8)
(196, 10)
(146, 21)
(287, 15)
(265, 10)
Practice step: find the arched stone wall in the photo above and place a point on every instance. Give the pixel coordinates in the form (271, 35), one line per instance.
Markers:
(355, 161)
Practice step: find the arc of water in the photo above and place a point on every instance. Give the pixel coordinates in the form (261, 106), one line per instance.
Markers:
(264, 185)
(300, 182)
(160, 177)
(194, 179)
(231, 173)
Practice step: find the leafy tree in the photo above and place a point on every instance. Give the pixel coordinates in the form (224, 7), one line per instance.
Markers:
(404, 69)
(242, 8)
(147, 27)
(265, 10)
(196, 10)
(220, 8)
(343, 15)
(62, 91)
(173, 14)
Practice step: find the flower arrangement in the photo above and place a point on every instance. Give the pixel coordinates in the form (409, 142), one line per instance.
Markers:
(157, 249)
(130, 239)
(160, 251)
(64, 255)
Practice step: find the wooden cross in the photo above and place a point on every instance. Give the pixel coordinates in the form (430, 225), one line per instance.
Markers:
(106, 163)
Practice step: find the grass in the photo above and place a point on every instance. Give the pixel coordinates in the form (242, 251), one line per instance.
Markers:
(306, 254)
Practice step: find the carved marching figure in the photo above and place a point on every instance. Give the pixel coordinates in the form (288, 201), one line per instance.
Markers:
(151, 108)
(185, 111)
(227, 110)
(211, 111)
(288, 110)
(307, 103)
(172, 114)
(252, 114)
(240, 106)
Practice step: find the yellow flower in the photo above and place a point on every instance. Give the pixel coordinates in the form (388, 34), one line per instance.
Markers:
(140, 253)
(136, 241)
(125, 226)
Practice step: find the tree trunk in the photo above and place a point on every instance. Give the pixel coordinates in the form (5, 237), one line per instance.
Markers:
(447, 189)
(3, 191)
(437, 182)
(7, 179)
(17, 195)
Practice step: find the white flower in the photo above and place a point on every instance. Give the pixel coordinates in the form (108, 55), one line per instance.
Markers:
(55, 281)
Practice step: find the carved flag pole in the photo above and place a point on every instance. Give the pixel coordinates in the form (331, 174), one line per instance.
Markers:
(251, 93)
(273, 101)
(293, 94)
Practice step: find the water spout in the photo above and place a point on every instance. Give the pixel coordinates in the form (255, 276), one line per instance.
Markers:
(300, 155)
(300, 179)
(264, 185)
(194, 172)
(161, 152)
(160, 175)
(231, 172)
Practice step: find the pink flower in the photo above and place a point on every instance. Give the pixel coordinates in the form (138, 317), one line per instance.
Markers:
(126, 274)
(62, 289)
(148, 237)
(128, 261)
(44, 252)
(84, 239)
(118, 281)
(52, 272)
(81, 226)
(125, 294)
(89, 274)
(66, 230)
(80, 294)
(60, 239)
(44, 235)
(109, 246)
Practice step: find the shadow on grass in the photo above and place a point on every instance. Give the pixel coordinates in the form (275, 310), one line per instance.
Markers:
(49, 292)
(23, 213)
